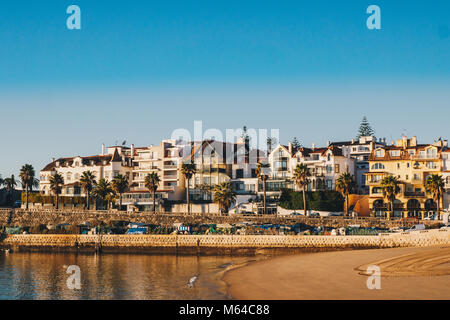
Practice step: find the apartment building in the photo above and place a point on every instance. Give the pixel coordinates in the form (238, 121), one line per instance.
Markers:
(164, 159)
(325, 166)
(360, 150)
(411, 163)
(116, 160)
(218, 162)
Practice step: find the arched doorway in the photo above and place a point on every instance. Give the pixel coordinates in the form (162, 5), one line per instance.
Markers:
(398, 209)
(379, 208)
(431, 208)
(413, 207)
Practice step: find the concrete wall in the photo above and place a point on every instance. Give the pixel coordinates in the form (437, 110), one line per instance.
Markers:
(219, 244)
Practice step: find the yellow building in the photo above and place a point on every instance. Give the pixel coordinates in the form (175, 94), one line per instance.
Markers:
(411, 163)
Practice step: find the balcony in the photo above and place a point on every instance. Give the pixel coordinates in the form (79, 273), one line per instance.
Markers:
(414, 194)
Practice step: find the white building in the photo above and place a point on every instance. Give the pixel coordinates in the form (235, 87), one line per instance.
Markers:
(107, 165)
(360, 150)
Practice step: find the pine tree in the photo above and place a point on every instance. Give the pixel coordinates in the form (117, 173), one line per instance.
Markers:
(296, 144)
(365, 129)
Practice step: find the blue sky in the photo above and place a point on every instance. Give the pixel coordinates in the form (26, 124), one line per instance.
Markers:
(137, 70)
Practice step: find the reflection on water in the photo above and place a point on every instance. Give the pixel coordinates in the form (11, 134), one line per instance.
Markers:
(43, 276)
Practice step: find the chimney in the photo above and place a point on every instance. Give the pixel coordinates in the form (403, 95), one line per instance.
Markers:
(413, 141)
(353, 141)
(313, 146)
(290, 148)
(132, 150)
(53, 159)
(445, 143)
(103, 149)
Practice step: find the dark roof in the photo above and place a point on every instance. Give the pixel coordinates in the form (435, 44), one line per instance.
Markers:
(86, 160)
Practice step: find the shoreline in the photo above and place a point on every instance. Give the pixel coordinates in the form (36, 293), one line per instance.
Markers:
(406, 273)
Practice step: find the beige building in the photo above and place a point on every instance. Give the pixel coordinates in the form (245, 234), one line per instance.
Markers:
(411, 163)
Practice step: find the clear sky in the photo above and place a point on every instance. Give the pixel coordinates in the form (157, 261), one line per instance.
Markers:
(137, 70)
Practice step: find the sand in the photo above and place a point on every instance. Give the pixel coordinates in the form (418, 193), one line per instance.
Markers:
(406, 273)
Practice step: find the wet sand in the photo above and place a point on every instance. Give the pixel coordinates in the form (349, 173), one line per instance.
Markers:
(406, 273)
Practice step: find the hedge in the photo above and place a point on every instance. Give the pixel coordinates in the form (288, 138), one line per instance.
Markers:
(328, 200)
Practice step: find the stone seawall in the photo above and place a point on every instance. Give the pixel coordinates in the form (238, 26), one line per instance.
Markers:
(23, 218)
(218, 244)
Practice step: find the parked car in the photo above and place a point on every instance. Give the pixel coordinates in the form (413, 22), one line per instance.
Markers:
(335, 214)
(296, 214)
(314, 214)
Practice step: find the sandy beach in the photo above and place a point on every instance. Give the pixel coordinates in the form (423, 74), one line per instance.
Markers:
(406, 273)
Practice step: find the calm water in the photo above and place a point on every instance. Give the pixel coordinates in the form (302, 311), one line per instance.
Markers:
(108, 276)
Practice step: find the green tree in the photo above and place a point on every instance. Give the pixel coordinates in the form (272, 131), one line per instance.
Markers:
(435, 185)
(188, 169)
(390, 187)
(56, 184)
(345, 185)
(271, 142)
(151, 183)
(263, 177)
(88, 182)
(296, 144)
(224, 196)
(103, 191)
(301, 178)
(365, 129)
(120, 185)
(27, 179)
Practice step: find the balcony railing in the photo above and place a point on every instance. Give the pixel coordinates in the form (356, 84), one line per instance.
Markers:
(414, 194)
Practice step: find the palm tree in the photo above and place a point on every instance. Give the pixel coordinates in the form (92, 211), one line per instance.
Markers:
(301, 178)
(87, 181)
(1, 182)
(103, 190)
(390, 186)
(56, 184)
(224, 196)
(263, 177)
(120, 185)
(188, 170)
(151, 183)
(345, 184)
(27, 178)
(10, 184)
(207, 189)
(435, 185)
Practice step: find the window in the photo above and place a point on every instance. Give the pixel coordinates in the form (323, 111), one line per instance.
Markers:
(315, 157)
(330, 184)
(336, 168)
(329, 169)
(77, 176)
(407, 165)
(407, 177)
(416, 176)
(239, 173)
(69, 176)
(377, 190)
(328, 157)
(395, 153)
(431, 153)
(398, 165)
(431, 165)
(377, 166)
(379, 153)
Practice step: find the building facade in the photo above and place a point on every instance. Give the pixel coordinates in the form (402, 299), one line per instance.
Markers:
(411, 163)
(360, 150)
